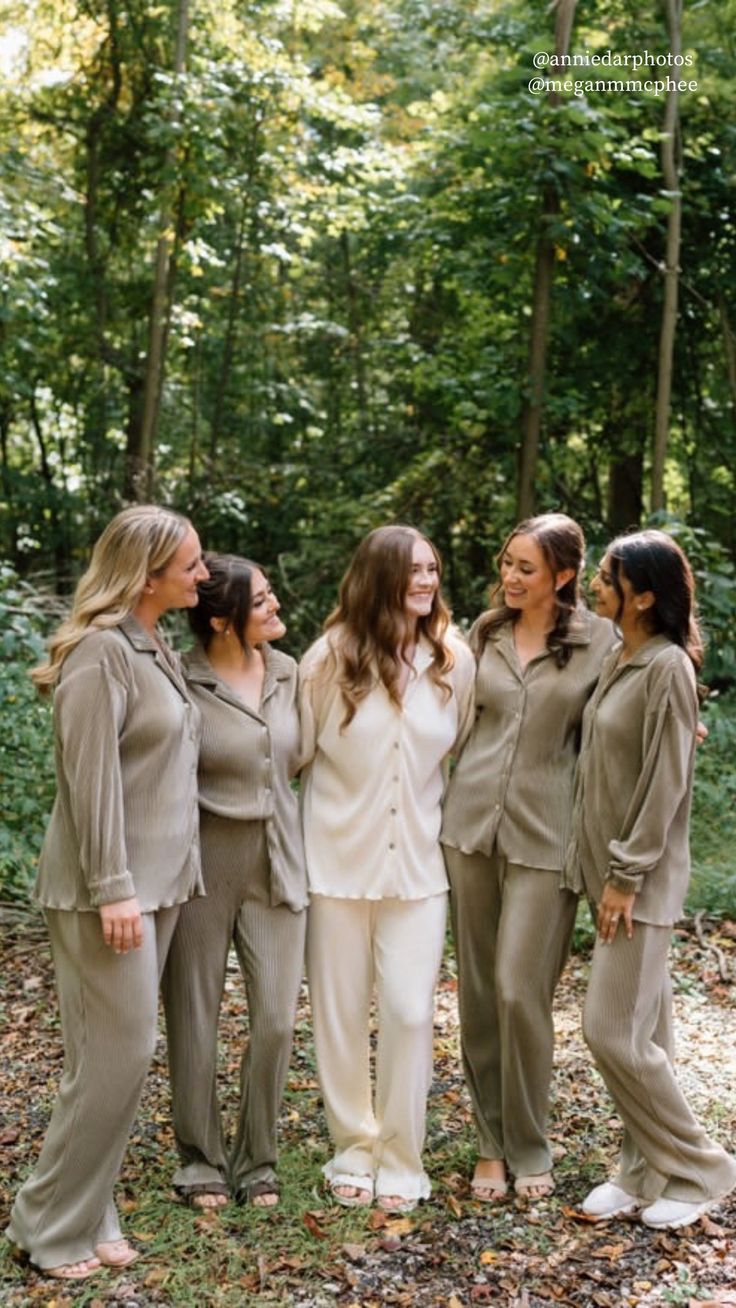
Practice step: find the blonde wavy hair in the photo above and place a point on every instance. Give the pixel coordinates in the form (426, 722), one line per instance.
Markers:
(367, 629)
(140, 542)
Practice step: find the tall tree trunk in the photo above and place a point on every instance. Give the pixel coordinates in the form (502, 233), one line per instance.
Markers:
(729, 344)
(57, 533)
(140, 454)
(356, 331)
(625, 502)
(228, 351)
(531, 418)
(671, 168)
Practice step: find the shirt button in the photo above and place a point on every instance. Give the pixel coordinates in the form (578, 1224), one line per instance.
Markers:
(396, 744)
(392, 845)
(394, 810)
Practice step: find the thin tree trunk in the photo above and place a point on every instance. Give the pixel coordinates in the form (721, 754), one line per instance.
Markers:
(356, 330)
(140, 459)
(729, 343)
(531, 418)
(59, 544)
(229, 345)
(671, 168)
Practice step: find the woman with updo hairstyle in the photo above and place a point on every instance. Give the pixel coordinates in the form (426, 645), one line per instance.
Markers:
(253, 868)
(630, 855)
(386, 697)
(505, 833)
(119, 859)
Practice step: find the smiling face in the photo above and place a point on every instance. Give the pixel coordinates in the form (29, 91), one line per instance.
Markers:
(424, 581)
(619, 602)
(263, 623)
(176, 586)
(527, 580)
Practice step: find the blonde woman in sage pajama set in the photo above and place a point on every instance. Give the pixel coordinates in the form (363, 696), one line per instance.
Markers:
(630, 853)
(255, 879)
(120, 856)
(505, 832)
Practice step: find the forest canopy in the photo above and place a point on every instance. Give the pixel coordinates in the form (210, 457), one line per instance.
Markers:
(300, 267)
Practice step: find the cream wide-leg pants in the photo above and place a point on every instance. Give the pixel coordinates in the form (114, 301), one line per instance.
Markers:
(393, 947)
(627, 1023)
(109, 1021)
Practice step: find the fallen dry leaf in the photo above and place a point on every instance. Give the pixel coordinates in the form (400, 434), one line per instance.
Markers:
(312, 1224)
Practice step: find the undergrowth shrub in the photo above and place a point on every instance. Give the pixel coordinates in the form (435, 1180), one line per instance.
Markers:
(26, 744)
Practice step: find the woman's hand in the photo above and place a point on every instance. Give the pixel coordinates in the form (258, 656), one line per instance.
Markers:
(122, 927)
(614, 905)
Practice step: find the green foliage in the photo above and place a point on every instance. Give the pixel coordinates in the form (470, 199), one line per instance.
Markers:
(26, 749)
(715, 579)
(713, 830)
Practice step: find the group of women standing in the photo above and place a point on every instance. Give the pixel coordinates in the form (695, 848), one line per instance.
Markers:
(383, 700)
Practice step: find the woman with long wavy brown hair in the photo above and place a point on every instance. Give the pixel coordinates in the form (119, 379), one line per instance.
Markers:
(386, 695)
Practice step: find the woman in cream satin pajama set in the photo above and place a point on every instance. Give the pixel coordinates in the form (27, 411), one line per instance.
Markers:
(371, 806)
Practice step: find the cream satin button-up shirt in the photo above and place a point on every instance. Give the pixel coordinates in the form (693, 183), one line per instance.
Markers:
(372, 792)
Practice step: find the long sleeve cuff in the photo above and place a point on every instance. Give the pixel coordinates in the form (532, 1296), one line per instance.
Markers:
(627, 883)
(109, 890)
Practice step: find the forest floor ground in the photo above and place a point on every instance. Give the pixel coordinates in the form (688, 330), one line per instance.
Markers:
(452, 1252)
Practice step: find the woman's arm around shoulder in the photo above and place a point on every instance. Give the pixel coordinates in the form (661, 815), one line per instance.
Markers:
(463, 684)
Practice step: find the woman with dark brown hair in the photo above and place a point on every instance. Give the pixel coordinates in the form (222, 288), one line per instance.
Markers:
(505, 832)
(630, 854)
(253, 869)
(386, 696)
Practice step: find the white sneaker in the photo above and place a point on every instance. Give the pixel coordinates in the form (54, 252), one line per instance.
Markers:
(609, 1200)
(668, 1214)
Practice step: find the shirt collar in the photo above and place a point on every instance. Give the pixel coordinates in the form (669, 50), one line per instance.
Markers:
(136, 634)
(199, 671)
(646, 652)
(579, 631)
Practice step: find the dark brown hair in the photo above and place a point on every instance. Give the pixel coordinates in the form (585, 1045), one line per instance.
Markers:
(652, 560)
(227, 593)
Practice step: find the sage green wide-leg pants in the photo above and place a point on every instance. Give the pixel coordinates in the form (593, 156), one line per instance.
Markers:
(109, 1012)
(269, 942)
(512, 927)
(627, 1023)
